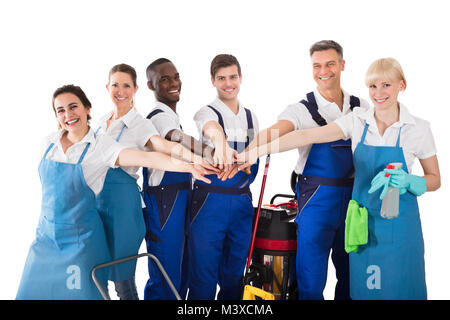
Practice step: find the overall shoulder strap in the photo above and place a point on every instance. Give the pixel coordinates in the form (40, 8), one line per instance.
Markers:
(313, 109)
(363, 136)
(84, 152)
(220, 118)
(250, 131)
(48, 150)
(154, 113)
(354, 102)
(120, 134)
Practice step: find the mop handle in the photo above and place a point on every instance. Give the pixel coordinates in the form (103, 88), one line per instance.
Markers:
(258, 211)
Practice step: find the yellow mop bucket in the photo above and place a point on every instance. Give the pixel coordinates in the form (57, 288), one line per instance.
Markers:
(250, 293)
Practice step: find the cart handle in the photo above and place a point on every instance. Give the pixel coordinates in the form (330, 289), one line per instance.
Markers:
(281, 195)
(105, 265)
(258, 212)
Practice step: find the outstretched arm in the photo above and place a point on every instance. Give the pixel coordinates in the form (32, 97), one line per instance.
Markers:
(274, 132)
(224, 156)
(192, 144)
(292, 140)
(174, 149)
(135, 158)
(265, 136)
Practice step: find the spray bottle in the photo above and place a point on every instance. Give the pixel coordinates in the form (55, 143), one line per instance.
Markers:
(390, 203)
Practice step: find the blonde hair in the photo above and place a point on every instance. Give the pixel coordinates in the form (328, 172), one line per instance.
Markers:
(385, 68)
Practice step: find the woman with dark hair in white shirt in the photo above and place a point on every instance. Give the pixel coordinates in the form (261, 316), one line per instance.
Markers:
(70, 238)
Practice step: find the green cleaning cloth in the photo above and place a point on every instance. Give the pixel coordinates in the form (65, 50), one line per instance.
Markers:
(356, 227)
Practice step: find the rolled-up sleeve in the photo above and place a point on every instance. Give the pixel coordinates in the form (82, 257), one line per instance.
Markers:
(203, 116)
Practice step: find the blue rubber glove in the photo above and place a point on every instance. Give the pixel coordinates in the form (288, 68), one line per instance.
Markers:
(379, 181)
(405, 181)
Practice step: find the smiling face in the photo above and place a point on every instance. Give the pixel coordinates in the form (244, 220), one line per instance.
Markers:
(327, 69)
(166, 83)
(71, 114)
(227, 82)
(384, 92)
(121, 89)
(385, 79)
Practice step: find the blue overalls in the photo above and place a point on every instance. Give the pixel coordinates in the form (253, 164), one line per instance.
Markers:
(165, 216)
(391, 265)
(70, 239)
(220, 231)
(323, 193)
(120, 208)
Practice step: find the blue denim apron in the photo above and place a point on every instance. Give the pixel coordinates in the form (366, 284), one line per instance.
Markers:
(391, 265)
(120, 208)
(70, 239)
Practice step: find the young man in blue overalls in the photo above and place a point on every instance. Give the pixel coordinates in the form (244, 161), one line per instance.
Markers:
(222, 212)
(167, 195)
(324, 175)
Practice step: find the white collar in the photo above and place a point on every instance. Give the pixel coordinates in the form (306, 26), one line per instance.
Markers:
(324, 103)
(223, 108)
(126, 119)
(405, 116)
(129, 117)
(88, 138)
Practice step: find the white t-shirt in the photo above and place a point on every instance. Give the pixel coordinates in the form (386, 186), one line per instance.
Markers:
(416, 138)
(101, 155)
(164, 122)
(300, 117)
(138, 130)
(235, 124)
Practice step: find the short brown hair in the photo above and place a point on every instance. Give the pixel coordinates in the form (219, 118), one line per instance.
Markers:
(326, 45)
(125, 68)
(224, 60)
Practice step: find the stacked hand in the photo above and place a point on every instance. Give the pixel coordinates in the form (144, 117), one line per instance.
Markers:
(223, 162)
(246, 159)
(224, 157)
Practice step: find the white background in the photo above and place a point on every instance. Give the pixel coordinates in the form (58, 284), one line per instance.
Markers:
(45, 44)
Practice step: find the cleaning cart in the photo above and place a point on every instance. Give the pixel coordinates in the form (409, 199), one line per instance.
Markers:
(270, 271)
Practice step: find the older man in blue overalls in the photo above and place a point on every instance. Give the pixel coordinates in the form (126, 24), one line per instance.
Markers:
(324, 175)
